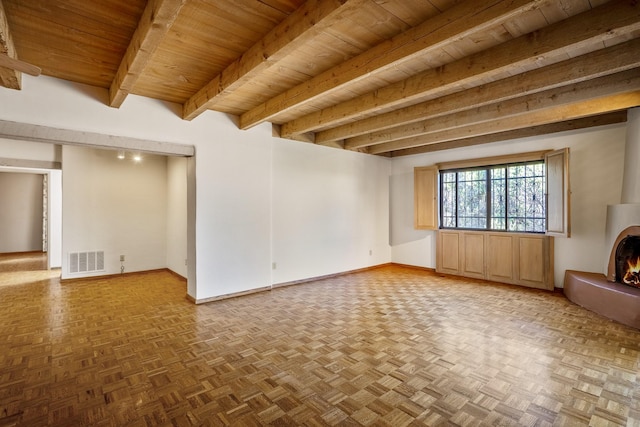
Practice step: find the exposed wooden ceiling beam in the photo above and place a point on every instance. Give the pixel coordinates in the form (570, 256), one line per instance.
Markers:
(156, 20)
(610, 60)
(586, 122)
(536, 118)
(306, 22)
(625, 81)
(454, 24)
(598, 25)
(18, 65)
(10, 77)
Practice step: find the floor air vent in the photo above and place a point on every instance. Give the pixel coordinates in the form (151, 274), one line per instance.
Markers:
(86, 262)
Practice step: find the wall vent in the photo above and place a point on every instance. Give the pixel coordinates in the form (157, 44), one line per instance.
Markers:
(86, 262)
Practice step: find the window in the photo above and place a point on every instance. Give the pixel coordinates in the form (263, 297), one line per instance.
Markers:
(526, 192)
(502, 197)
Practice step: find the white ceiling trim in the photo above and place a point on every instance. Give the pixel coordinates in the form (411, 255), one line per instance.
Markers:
(8, 165)
(37, 133)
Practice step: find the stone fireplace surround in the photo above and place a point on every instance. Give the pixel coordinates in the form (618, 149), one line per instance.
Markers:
(600, 292)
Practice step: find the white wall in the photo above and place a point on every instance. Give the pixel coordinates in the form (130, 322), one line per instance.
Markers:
(631, 179)
(35, 154)
(55, 219)
(259, 199)
(27, 150)
(116, 206)
(330, 211)
(177, 215)
(20, 212)
(233, 209)
(232, 194)
(596, 162)
(233, 170)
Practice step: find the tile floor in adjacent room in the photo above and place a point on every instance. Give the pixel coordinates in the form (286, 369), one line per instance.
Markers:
(391, 346)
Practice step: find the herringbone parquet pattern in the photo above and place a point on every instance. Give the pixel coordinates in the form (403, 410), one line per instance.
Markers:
(392, 346)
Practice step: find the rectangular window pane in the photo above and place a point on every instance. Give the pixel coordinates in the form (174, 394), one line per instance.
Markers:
(448, 200)
(498, 198)
(472, 199)
(498, 223)
(525, 192)
(506, 197)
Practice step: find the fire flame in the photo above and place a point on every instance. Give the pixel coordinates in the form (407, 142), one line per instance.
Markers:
(632, 276)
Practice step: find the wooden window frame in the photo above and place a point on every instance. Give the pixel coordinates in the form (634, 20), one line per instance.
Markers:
(557, 192)
(486, 183)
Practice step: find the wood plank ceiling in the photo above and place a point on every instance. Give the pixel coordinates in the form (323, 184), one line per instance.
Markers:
(386, 77)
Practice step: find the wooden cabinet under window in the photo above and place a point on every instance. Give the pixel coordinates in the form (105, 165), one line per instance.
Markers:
(516, 258)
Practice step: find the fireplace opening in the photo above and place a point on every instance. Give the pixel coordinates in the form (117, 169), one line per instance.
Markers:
(628, 261)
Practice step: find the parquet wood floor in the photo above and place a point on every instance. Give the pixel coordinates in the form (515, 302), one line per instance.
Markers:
(23, 261)
(392, 346)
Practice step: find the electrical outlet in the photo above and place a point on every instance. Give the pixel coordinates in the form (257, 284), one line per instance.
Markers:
(121, 258)
(370, 252)
(273, 266)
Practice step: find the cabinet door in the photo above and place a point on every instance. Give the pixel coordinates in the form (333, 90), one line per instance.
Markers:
(425, 198)
(473, 252)
(535, 264)
(448, 252)
(500, 265)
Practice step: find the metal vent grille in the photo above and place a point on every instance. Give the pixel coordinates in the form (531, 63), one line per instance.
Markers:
(86, 262)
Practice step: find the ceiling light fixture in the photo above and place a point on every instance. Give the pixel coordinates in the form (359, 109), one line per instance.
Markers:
(121, 154)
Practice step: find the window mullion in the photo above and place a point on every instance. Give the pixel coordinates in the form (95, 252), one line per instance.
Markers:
(441, 198)
(506, 198)
(488, 197)
(456, 206)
